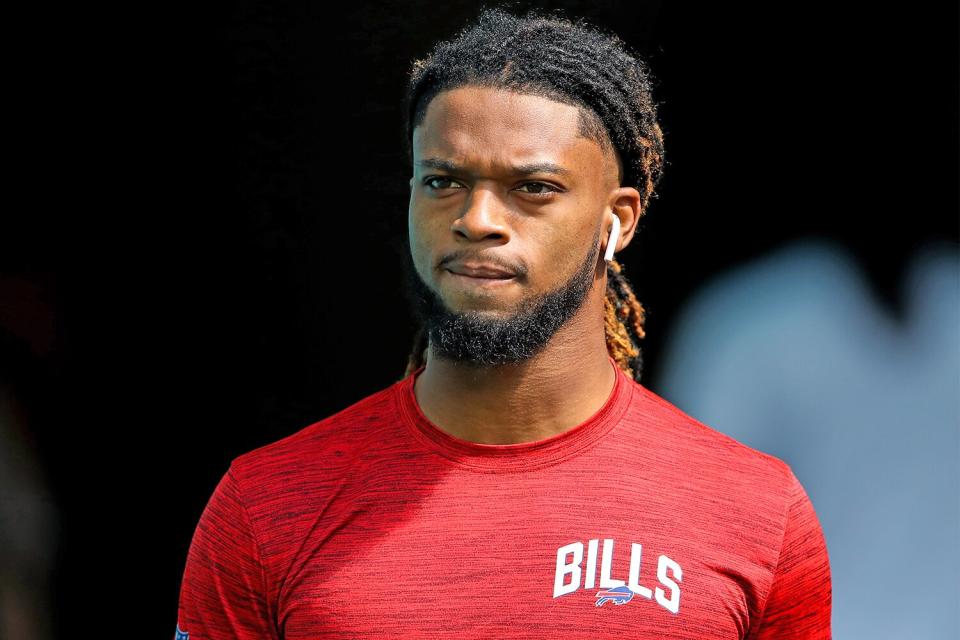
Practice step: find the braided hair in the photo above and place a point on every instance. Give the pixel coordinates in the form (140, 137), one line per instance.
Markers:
(577, 64)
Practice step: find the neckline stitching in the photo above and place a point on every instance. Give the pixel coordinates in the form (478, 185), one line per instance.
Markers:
(613, 411)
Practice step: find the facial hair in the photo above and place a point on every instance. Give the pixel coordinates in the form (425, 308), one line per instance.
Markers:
(478, 340)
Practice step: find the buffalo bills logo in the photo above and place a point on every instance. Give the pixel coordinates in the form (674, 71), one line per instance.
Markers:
(616, 595)
(181, 635)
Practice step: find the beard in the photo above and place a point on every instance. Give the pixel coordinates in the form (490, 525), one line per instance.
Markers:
(477, 339)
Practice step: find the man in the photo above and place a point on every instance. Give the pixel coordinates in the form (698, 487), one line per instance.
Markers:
(519, 481)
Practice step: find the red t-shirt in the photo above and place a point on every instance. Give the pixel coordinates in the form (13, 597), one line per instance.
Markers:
(640, 522)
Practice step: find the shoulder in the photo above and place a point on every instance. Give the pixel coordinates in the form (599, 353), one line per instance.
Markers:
(320, 449)
(701, 449)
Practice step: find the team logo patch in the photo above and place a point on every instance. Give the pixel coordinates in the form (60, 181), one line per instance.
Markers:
(181, 635)
(616, 595)
(577, 567)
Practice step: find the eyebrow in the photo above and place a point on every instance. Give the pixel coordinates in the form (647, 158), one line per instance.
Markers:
(523, 169)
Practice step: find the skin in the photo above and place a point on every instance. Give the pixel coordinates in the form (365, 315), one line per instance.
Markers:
(539, 224)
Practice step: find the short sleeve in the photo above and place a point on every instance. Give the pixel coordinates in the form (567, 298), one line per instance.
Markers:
(799, 602)
(222, 592)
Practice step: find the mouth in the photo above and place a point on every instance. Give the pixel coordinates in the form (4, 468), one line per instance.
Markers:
(479, 281)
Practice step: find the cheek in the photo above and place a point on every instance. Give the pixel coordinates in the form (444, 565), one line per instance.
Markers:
(564, 248)
(422, 237)
(417, 247)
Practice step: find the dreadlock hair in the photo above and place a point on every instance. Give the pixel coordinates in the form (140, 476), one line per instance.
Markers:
(577, 64)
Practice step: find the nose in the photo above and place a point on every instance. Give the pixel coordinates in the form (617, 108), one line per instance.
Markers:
(483, 218)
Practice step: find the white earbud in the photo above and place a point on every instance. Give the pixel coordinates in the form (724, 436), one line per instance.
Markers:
(614, 236)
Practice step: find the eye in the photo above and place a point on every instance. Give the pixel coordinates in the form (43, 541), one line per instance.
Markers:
(430, 179)
(542, 185)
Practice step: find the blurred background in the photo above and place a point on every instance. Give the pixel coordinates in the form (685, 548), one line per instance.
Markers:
(201, 257)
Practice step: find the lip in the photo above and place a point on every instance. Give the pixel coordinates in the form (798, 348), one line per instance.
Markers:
(480, 281)
(479, 270)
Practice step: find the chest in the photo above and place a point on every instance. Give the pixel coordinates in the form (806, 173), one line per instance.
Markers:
(529, 560)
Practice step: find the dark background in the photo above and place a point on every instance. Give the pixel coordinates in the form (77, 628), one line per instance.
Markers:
(201, 256)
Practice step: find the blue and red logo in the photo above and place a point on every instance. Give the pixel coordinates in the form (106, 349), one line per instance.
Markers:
(616, 595)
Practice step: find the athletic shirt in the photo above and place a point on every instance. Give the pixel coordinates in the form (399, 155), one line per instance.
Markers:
(640, 522)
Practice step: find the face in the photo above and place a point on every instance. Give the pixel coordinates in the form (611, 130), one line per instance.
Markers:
(503, 180)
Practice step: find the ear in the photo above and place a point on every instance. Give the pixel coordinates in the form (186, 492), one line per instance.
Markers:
(625, 204)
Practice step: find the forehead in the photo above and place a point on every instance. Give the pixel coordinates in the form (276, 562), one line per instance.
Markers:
(488, 128)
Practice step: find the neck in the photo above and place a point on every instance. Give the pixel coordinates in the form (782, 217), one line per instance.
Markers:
(557, 389)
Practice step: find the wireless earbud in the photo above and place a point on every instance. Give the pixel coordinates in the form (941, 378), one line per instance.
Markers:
(614, 236)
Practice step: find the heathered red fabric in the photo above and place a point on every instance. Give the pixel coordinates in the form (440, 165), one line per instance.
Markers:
(639, 523)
